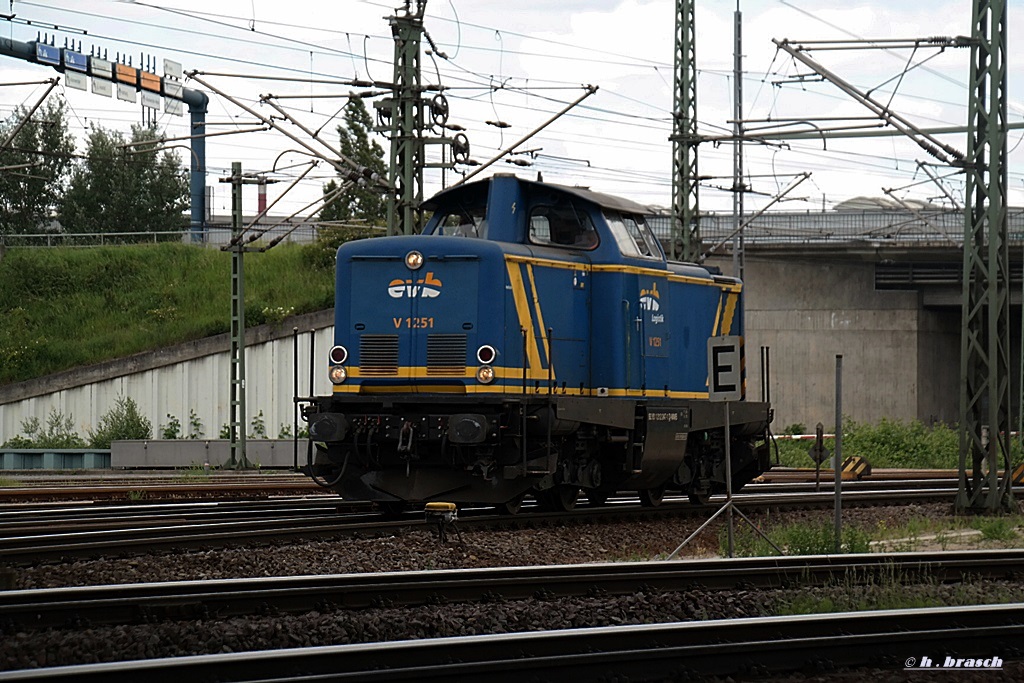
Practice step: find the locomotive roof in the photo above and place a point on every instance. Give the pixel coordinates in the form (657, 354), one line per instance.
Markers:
(603, 200)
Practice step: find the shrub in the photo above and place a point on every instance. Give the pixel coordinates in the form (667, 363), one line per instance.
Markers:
(889, 443)
(123, 421)
(57, 433)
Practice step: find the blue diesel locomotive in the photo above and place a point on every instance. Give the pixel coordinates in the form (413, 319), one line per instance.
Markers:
(533, 340)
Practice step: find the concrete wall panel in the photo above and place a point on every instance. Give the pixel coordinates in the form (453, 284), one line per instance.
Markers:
(200, 384)
(899, 361)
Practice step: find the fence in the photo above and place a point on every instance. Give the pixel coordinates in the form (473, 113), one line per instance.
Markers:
(921, 228)
(214, 235)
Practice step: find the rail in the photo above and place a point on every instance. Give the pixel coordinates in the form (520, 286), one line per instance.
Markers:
(138, 602)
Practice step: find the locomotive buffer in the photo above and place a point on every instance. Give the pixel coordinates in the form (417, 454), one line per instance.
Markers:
(725, 384)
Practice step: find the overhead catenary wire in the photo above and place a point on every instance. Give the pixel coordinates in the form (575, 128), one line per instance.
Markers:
(606, 115)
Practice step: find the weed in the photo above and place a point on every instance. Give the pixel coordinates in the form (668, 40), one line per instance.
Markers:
(285, 432)
(995, 528)
(796, 539)
(172, 430)
(195, 425)
(136, 496)
(891, 591)
(257, 426)
(194, 472)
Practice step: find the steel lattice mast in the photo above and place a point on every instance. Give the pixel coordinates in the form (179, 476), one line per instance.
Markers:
(985, 407)
(685, 218)
(405, 175)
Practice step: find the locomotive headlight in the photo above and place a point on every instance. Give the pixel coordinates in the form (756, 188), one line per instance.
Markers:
(413, 260)
(338, 374)
(485, 374)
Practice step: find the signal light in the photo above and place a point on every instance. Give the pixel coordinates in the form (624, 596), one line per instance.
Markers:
(339, 354)
(486, 354)
(337, 374)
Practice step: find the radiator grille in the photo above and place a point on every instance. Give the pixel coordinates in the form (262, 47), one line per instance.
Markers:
(378, 355)
(446, 354)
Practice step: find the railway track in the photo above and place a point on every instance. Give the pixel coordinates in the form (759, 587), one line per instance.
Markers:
(751, 648)
(35, 490)
(145, 491)
(148, 602)
(26, 543)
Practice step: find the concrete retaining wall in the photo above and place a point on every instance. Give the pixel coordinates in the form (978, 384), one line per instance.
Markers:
(185, 453)
(900, 361)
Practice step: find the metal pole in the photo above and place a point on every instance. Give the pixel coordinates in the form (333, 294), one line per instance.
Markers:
(238, 412)
(737, 145)
(312, 355)
(685, 137)
(405, 170)
(197, 175)
(295, 398)
(838, 454)
(728, 476)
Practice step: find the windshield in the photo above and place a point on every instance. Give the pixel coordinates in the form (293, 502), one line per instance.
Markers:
(463, 221)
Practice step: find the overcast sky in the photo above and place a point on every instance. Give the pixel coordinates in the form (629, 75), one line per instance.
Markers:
(519, 62)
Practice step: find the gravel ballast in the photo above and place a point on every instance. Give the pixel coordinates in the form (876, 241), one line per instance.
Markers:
(420, 550)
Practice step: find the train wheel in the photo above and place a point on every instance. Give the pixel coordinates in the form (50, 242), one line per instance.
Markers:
(699, 497)
(596, 498)
(651, 498)
(561, 498)
(512, 507)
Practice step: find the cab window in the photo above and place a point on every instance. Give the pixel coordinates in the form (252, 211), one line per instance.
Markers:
(633, 236)
(562, 224)
(463, 222)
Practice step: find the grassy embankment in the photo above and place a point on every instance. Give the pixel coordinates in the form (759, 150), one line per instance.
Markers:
(67, 307)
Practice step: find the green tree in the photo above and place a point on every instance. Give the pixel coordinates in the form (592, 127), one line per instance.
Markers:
(363, 201)
(34, 167)
(125, 187)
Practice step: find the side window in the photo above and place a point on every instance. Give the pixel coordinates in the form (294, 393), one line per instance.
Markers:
(632, 236)
(562, 225)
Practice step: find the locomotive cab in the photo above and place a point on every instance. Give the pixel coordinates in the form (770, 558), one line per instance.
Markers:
(534, 339)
